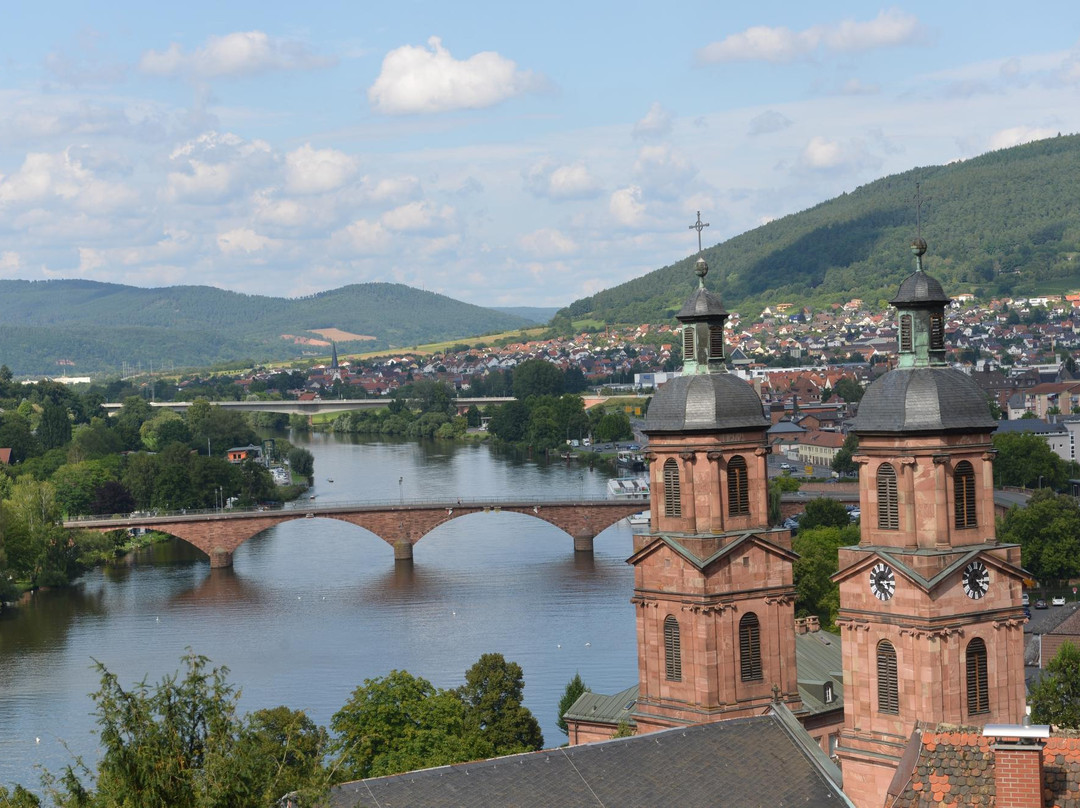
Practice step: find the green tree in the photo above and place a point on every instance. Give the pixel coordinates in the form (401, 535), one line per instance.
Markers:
(818, 561)
(537, 377)
(842, 463)
(1023, 458)
(401, 722)
(509, 421)
(1048, 532)
(493, 692)
(849, 389)
(472, 416)
(164, 428)
(15, 434)
(54, 429)
(574, 380)
(614, 426)
(289, 751)
(76, 484)
(574, 688)
(1055, 697)
(301, 461)
(824, 512)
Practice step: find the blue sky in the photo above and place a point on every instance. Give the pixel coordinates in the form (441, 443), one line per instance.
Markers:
(503, 154)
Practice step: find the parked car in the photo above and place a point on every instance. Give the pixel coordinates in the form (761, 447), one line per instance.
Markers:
(1025, 599)
(785, 467)
(1040, 604)
(1058, 601)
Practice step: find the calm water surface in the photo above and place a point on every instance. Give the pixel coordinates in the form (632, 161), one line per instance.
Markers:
(313, 607)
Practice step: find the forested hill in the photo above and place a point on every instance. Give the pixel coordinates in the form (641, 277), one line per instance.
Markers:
(45, 325)
(1002, 223)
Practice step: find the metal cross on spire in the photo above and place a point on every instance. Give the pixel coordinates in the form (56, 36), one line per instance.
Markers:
(699, 226)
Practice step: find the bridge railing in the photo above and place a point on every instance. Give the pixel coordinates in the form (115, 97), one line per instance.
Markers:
(308, 505)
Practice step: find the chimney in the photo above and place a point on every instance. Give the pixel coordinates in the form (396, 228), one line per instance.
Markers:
(1018, 768)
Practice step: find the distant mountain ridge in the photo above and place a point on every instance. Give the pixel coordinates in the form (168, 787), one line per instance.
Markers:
(98, 326)
(998, 224)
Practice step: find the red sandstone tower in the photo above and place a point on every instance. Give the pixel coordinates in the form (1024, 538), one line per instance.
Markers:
(930, 609)
(712, 583)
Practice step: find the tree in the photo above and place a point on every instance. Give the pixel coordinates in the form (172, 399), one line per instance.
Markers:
(818, 561)
(472, 416)
(824, 512)
(493, 693)
(614, 426)
(15, 434)
(1055, 697)
(574, 380)
(289, 749)
(1048, 532)
(849, 389)
(54, 430)
(842, 463)
(401, 722)
(1023, 458)
(509, 421)
(537, 377)
(112, 497)
(574, 688)
(164, 428)
(301, 461)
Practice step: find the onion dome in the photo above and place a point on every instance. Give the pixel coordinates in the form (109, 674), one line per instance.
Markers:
(705, 403)
(924, 399)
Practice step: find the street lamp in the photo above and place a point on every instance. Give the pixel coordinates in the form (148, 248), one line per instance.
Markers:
(1040, 481)
(401, 491)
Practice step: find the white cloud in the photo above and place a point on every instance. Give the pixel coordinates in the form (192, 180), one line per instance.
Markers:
(362, 237)
(216, 166)
(548, 242)
(418, 216)
(663, 171)
(890, 28)
(822, 153)
(856, 87)
(415, 79)
(626, 206)
(61, 178)
(201, 183)
(10, 263)
(1016, 135)
(391, 189)
(90, 259)
(312, 171)
(238, 54)
(243, 240)
(655, 124)
(833, 156)
(562, 182)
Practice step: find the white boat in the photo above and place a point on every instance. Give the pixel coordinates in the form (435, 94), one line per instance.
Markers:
(628, 488)
(639, 518)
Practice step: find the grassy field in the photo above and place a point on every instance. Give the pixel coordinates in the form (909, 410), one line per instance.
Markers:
(439, 347)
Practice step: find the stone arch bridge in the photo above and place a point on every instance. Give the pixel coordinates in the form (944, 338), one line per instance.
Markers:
(402, 525)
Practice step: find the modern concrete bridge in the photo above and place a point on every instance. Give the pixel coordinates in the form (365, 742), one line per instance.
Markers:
(306, 407)
(401, 525)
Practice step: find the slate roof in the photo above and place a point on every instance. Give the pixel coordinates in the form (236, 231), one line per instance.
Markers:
(949, 768)
(702, 304)
(765, 760)
(706, 402)
(918, 289)
(1033, 425)
(933, 399)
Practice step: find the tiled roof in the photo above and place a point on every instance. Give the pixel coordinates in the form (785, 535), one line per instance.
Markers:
(955, 767)
(761, 760)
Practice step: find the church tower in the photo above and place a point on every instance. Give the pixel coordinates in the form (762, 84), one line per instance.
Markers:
(712, 583)
(930, 610)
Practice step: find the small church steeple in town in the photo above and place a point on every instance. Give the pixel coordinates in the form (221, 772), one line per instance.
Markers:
(333, 355)
(920, 315)
(702, 317)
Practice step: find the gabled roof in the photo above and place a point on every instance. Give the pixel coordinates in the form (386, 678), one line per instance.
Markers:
(760, 760)
(740, 539)
(895, 557)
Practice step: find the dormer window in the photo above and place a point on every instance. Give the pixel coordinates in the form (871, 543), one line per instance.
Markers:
(828, 693)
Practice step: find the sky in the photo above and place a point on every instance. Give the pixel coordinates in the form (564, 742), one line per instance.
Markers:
(503, 154)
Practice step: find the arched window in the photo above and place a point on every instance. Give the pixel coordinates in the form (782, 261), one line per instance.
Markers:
(829, 693)
(937, 332)
(750, 648)
(888, 689)
(716, 342)
(672, 492)
(888, 511)
(672, 650)
(978, 696)
(737, 490)
(688, 343)
(905, 333)
(964, 490)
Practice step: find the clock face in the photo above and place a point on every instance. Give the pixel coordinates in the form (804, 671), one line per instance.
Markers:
(976, 580)
(882, 581)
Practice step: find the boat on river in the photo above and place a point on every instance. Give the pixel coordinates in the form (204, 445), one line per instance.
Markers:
(630, 461)
(628, 488)
(639, 518)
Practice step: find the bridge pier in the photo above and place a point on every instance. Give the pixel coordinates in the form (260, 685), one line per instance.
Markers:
(583, 543)
(403, 550)
(220, 558)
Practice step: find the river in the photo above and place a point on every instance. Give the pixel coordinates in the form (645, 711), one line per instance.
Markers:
(313, 607)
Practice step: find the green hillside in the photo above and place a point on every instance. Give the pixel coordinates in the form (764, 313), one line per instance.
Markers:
(1002, 223)
(99, 326)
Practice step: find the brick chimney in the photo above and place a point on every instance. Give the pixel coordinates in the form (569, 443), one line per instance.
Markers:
(1018, 764)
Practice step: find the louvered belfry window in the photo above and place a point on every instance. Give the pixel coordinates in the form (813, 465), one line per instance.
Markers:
(937, 332)
(750, 648)
(905, 333)
(672, 650)
(716, 342)
(688, 343)
(888, 509)
(672, 492)
(964, 490)
(978, 695)
(888, 690)
(737, 489)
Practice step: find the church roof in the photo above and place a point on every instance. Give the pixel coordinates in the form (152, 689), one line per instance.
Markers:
(760, 760)
(702, 303)
(919, 289)
(707, 402)
(924, 399)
